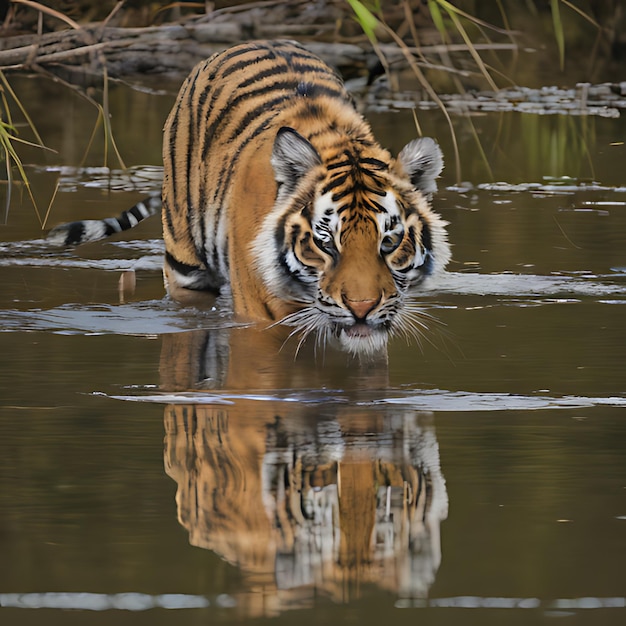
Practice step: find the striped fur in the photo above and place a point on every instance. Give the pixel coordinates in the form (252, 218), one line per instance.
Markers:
(275, 187)
(82, 231)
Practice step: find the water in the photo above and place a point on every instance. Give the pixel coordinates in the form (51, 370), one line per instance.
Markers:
(160, 463)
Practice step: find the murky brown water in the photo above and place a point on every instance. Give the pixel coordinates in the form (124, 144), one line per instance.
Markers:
(147, 478)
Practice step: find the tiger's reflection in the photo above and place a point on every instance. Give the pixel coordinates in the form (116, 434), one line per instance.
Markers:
(308, 499)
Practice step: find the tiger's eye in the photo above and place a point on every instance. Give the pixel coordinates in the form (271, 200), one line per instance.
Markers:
(391, 241)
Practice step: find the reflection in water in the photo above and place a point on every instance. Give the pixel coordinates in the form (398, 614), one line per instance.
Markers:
(308, 499)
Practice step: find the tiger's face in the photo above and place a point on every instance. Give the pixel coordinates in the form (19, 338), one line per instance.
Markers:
(349, 235)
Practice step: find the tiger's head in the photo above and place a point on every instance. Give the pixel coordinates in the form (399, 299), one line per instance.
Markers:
(351, 232)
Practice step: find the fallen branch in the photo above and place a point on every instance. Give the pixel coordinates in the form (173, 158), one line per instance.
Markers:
(175, 48)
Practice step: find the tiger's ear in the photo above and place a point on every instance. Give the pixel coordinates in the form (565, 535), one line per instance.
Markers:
(422, 160)
(292, 157)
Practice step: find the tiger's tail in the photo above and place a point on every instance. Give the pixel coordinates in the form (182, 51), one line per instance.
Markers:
(83, 231)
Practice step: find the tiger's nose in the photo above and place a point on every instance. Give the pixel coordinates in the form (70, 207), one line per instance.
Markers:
(360, 308)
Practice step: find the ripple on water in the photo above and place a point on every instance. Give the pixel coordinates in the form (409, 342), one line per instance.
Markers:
(162, 316)
(149, 318)
(432, 400)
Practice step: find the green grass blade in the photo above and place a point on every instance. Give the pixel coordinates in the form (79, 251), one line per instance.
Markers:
(54, 195)
(92, 136)
(558, 30)
(431, 92)
(448, 6)
(7, 202)
(29, 121)
(438, 21)
(365, 18)
(10, 155)
(472, 49)
(106, 117)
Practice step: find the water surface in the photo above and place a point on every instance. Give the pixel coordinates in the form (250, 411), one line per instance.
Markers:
(161, 463)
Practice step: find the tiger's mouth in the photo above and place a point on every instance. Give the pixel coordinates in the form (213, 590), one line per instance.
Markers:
(357, 337)
(359, 330)
(362, 338)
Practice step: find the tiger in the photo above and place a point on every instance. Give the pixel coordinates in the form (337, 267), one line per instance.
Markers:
(276, 192)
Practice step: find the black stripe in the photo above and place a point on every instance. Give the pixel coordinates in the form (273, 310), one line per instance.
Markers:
(274, 70)
(219, 120)
(181, 268)
(233, 68)
(279, 234)
(227, 56)
(429, 261)
(219, 116)
(378, 191)
(282, 262)
(171, 155)
(124, 221)
(268, 311)
(201, 251)
(290, 50)
(269, 108)
(335, 182)
(135, 211)
(251, 115)
(200, 105)
(244, 64)
(379, 208)
(168, 219)
(381, 165)
(340, 195)
(75, 233)
(302, 67)
(189, 165)
(227, 170)
(212, 87)
(427, 241)
(215, 253)
(336, 166)
(202, 211)
(329, 129)
(318, 90)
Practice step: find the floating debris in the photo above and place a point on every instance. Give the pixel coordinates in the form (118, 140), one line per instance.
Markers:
(602, 100)
(144, 179)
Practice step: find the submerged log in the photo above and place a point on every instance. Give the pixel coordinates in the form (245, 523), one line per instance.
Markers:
(169, 49)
